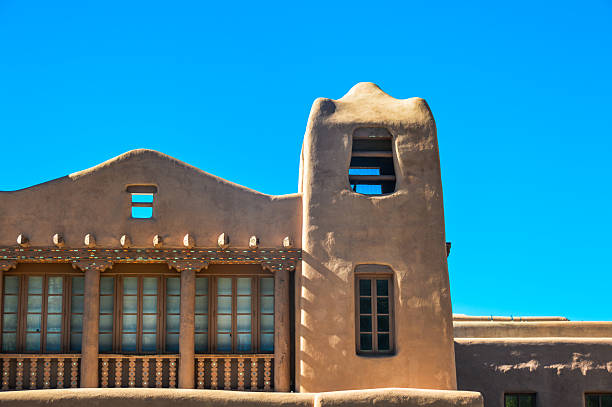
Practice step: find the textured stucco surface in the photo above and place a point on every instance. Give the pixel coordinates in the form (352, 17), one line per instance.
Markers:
(579, 329)
(188, 200)
(342, 229)
(559, 370)
(219, 398)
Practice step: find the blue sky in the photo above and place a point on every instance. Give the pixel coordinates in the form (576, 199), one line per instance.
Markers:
(521, 92)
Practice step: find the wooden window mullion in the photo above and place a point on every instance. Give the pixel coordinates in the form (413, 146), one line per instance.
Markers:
(374, 315)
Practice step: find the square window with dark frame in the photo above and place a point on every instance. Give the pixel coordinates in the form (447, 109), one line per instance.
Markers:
(371, 170)
(520, 400)
(374, 314)
(142, 197)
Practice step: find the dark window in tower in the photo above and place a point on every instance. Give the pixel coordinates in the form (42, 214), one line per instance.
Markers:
(372, 171)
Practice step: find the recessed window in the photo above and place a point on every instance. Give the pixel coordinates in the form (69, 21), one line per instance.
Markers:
(520, 400)
(142, 200)
(371, 170)
(598, 400)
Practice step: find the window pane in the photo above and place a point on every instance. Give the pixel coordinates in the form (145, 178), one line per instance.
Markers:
(54, 304)
(383, 324)
(77, 304)
(130, 304)
(383, 342)
(149, 285)
(106, 323)
(267, 322)
(526, 400)
(244, 342)
(32, 342)
(202, 286)
(365, 324)
(267, 305)
(382, 288)
(11, 285)
(365, 287)
(10, 303)
(244, 286)
(201, 323)
(173, 305)
(128, 342)
(9, 322)
(173, 286)
(365, 305)
(172, 342)
(224, 343)
(75, 342)
(382, 305)
(9, 342)
(201, 343)
(606, 400)
(243, 305)
(511, 401)
(201, 305)
(149, 304)
(224, 305)
(106, 304)
(54, 323)
(224, 286)
(267, 286)
(267, 343)
(107, 285)
(54, 342)
(243, 323)
(130, 285)
(224, 323)
(129, 323)
(149, 323)
(106, 343)
(173, 323)
(592, 401)
(365, 341)
(33, 322)
(34, 303)
(78, 285)
(55, 285)
(35, 285)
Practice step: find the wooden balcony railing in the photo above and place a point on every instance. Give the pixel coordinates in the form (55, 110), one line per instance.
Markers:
(235, 372)
(50, 371)
(138, 370)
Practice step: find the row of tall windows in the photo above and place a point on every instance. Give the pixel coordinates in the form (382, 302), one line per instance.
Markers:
(529, 400)
(138, 313)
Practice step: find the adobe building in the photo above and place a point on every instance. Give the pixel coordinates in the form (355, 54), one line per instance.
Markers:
(145, 272)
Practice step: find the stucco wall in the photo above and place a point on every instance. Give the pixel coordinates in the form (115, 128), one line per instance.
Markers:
(559, 370)
(404, 230)
(578, 329)
(188, 201)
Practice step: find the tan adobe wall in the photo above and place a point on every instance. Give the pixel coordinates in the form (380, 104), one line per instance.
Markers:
(193, 398)
(463, 317)
(559, 370)
(403, 230)
(188, 201)
(574, 329)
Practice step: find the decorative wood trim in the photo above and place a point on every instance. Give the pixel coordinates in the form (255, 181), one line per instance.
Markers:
(6, 265)
(96, 265)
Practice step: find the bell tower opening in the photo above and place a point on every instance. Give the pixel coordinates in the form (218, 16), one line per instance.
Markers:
(371, 171)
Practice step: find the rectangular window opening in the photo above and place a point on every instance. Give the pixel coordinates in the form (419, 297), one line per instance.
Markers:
(371, 170)
(520, 400)
(598, 400)
(142, 205)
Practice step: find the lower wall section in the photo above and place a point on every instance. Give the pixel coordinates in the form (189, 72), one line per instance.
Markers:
(193, 398)
(559, 370)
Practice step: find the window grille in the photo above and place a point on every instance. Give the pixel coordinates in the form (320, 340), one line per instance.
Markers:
(371, 170)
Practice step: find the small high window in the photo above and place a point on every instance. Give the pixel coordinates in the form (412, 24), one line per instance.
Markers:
(142, 200)
(520, 400)
(598, 400)
(371, 170)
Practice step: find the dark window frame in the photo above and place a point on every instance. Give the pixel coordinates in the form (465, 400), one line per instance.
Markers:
(372, 148)
(519, 402)
(598, 396)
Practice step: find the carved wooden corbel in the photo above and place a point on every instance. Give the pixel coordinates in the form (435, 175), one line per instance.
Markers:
(184, 265)
(6, 265)
(100, 265)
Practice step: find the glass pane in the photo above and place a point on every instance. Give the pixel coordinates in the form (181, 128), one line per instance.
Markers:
(107, 285)
(9, 322)
(267, 286)
(149, 342)
(511, 401)
(33, 322)
(149, 323)
(77, 304)
(34, 303)
(149, 305)
(365, 305)
(54, 303)
(201, 343)
(173, 305)
(32, 342)
(224, 343)
(526, 400)
(201, 305)
(382, 305)
(244, 323)
(244, 305)
(173, 286)
(244, 286)
(382, 288)
(128, 342)
(365, 341)
(106, 323)
(383, 324)
(55, 285)
(365, 324)
(224, 323)
(129, 323)
(35, 285)
(106, 304)
(201, 323)
(244, 342)
(224, 305)
(606, 400)
(78, 285)
(383, 342)
(365, 287)
(267, 343)
(267, 322)
(54, 342)
(9, 342)
(149, 285)
(106, 343)
(202, 286)
(11, 285)
(130, 304)
(592, 401)
(267, 305)
(173, 323)
(130, 285)
(10, 303)
(54, 323)
(75, 342)
(172, 342)
(224, 286)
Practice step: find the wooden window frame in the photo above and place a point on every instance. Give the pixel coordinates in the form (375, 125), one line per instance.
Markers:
(373, 272)
(599, 398)
(534, 401)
